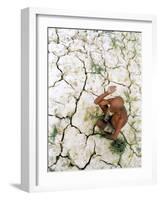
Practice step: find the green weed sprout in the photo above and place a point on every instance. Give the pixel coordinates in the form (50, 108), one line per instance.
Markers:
(53, 134)
(118, 146)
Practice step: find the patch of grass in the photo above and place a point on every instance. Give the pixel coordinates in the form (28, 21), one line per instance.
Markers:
(96, 69)
(53, 134)
(118, 146)
(114, 43)
(97, 116)
(127, 95)
(92, 113)
(129, 98)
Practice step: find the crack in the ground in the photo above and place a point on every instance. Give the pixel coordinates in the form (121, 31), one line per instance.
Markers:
(78, 98)
(130, 145)
(106, 80)
(62, 76)
(89, 160)
(61, 149)
(111, 164)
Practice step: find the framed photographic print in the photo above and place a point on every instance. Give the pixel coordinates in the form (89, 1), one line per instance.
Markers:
(87, 112)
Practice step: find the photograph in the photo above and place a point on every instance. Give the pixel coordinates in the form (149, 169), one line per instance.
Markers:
(94, 99)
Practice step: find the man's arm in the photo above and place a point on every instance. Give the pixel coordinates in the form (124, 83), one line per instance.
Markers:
(110, 90)
(100, 97)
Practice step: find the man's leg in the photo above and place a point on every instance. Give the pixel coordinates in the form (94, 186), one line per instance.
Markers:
(109, 128)
(101, 124)
(105, 127)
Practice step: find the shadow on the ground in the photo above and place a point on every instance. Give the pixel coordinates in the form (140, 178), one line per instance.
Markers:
(16, 185)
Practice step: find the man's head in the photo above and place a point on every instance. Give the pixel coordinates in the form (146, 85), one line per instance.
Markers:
(116, 103)
(104, 102)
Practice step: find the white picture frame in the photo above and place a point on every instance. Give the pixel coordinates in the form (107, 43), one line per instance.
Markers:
(33, 176)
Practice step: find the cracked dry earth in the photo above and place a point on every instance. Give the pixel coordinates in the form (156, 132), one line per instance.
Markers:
(82, 64)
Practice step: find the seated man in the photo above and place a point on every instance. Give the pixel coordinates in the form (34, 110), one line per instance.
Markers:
(115, 115)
